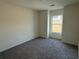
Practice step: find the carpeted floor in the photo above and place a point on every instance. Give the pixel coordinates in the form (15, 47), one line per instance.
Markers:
(41, 49)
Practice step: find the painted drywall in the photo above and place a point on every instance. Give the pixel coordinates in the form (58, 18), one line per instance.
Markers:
(48, 23)
(78, 49)
(17, 25)
(43, 23)
(71, 24)
(53, 13)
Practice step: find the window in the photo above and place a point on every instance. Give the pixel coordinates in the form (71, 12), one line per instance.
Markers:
(57, 23)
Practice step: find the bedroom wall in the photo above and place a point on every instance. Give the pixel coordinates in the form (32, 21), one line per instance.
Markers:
(71, 24)
(78, 50)
(43, 15)
(17, 25)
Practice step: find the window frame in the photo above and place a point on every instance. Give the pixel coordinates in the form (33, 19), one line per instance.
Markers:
(57, 24)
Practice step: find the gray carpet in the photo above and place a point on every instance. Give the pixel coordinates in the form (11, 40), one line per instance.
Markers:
(41, 49)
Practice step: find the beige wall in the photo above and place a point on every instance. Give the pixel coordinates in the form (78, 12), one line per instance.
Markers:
(78, 50)
(17, 25)
(43, 23)
(71, 24)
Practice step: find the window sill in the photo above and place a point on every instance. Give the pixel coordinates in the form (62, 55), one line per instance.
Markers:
(57, 33)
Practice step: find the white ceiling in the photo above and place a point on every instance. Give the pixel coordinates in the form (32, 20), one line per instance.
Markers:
(42, 4)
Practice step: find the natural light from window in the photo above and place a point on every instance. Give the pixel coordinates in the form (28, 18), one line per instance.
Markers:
(57, 24)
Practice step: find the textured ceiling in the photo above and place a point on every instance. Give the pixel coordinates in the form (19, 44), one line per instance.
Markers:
(42, 4)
